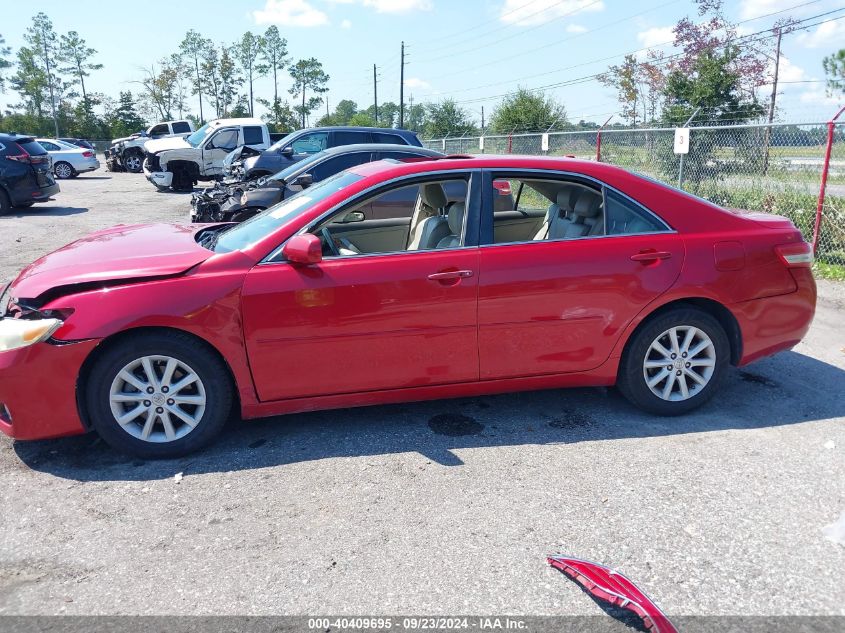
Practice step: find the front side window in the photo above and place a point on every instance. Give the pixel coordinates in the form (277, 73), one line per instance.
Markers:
(160, 130)
(337, 164)
(225, 139)
(421, 217)
(310, 143)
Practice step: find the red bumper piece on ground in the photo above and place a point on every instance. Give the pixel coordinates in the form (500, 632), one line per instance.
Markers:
(614, 588)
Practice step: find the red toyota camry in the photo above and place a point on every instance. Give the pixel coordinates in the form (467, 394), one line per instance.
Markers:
(395, 282)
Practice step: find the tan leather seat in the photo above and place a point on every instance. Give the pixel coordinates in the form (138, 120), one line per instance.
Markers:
(429, 224)
(456, 226)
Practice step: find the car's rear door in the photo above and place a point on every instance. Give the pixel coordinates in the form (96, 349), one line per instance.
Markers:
(366, 321)
(549, 306)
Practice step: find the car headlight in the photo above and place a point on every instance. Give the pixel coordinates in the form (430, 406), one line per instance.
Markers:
(17, 333)
(244, 199)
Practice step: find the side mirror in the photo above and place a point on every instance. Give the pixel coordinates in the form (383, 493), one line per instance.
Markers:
(303, 249)
(353, 216)
(304, 180)
(286, 151)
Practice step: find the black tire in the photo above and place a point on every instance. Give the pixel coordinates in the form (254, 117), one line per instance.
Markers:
(182, 180)
(5, 204)
(63, 170)
(24, 205)
(631, 379)
(133, 161)
(213, 378)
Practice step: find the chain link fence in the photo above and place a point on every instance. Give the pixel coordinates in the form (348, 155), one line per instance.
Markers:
(772, 168)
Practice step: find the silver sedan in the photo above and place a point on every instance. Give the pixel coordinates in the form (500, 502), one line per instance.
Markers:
(69, 160)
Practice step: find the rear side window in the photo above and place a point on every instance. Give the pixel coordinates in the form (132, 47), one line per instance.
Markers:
(253, 135)
(181, 127)
(384, 137)
(33, 148)
(350, 138)
(338, 164)
(624, 217)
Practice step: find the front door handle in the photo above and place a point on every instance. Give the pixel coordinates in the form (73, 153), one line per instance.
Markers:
(450, 274)
(650, 256)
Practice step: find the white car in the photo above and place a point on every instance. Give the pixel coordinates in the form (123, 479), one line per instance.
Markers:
(69, 160)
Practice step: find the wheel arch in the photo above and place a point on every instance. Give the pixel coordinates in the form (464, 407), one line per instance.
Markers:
(180, 163)
(114, 339)
(712, 307)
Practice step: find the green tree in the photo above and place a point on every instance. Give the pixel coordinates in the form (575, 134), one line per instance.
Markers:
(625, 79)
(44, 53)
(30, 82)
(308, 75)
(124, 119)
(525, 111)
(342, 115)
(834, 68)
(160, 85)
(193, 49)
(279, 117)
(230, 81)
(247, 51)
(415, 116)
(4, 63)
(447, 119)
(275, 54)
(76, 56)
(362, 119)
(388, 114)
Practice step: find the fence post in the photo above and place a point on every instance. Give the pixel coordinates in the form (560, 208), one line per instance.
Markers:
(510, 143)
(598, 138)
(681, 160)
(831, 125)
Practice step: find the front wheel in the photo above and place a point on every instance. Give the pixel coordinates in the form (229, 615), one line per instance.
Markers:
(134, 162)
(673, 364)
(159, 395)
(63, 170)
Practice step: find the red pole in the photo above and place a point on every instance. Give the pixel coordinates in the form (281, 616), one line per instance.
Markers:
(598, 139)
(825, 170)
(510, 144)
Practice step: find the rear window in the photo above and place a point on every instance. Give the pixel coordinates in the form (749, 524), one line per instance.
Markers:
(181, 127)
(32, 148)
(381, 137)
(253, 135)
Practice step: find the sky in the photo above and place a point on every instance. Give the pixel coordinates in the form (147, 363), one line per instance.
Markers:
(473, 51)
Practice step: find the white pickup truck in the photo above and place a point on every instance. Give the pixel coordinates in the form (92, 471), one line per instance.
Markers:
(128, 152)
(178, 163)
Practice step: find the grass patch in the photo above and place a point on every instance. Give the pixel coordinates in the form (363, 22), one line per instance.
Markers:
(834, 272)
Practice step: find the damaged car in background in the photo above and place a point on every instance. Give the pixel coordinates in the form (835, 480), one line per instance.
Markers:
(239, 201)
(127, 153)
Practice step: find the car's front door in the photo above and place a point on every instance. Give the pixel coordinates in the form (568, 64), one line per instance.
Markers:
(217, 148)
(556, 298)
(372, 315)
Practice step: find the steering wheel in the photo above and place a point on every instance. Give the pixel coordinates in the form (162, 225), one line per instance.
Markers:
(330, 241)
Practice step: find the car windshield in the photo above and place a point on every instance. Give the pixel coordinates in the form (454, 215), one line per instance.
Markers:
(247, 233)
(197, 137)
(296, 168)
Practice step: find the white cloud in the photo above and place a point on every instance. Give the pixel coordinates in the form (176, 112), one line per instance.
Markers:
(818, 96)
(290, 13)
(415, 82)
(346, 24)
(655, 36)
(755, 8)
(525, 13)
(826, 35)
(787, 71)
(576, 28)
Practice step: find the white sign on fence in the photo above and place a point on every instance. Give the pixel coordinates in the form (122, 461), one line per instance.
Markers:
(544, 144)
(682, 140)
(481, 143)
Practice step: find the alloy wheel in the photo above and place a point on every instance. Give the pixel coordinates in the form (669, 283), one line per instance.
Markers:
(679, 363)
(133, 163)
(157, 399)
(63, 171)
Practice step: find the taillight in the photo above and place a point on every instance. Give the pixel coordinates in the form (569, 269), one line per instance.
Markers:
(23, 157)
(798, 255)
(88, 154)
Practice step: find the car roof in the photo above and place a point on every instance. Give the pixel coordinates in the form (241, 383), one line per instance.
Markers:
(14, 136)
(237, 121)
(380, 147)
(356, 128)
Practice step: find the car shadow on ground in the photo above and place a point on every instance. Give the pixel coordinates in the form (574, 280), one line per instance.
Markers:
(36, 210)
(788, 389)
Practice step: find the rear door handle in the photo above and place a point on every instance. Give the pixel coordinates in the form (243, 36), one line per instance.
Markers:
(650, 256)
(450, 274)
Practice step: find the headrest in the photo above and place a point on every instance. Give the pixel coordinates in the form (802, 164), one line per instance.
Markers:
(433, 195)
(456, 218)
(588, 205)
(567, 196)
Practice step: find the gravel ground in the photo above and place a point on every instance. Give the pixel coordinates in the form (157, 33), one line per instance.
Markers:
(436, 508)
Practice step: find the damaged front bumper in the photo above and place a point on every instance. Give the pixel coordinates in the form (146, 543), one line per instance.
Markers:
(161, 179)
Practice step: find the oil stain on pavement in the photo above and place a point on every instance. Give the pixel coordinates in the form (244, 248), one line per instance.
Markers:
(455, 425)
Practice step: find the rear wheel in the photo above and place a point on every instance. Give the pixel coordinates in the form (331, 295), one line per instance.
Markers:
(5, 205)
(133, 161)
(159, 395)
(24, 205)
(673, 363)
(63, 170)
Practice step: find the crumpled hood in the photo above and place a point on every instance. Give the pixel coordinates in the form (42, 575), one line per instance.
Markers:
(119, 253)
(164, 144)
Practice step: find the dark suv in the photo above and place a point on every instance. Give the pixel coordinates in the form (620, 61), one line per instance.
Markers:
(25, 172)
(303, 143)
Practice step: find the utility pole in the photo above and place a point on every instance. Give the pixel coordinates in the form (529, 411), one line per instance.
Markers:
(772, 102)
(402, 88)
(482, 121)
(375, 93)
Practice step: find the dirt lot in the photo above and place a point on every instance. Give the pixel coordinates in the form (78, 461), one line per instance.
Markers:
(435, 508)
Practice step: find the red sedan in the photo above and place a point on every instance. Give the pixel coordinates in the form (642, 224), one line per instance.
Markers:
(396, 282)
